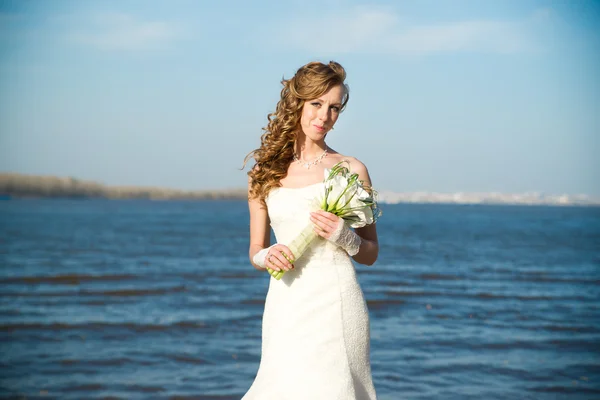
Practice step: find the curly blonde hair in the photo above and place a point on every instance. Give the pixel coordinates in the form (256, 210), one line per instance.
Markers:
(276, 150)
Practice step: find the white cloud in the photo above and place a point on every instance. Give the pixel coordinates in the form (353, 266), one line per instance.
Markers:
(382, 31)
(124, 32)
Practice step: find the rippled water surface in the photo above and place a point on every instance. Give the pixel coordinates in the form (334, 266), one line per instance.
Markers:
(143, 300)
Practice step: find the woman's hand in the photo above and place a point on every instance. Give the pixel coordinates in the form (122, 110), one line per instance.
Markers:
(275, 259)
(334, 229)
(325, 223)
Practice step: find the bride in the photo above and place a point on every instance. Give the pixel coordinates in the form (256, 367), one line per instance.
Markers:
(315, 331)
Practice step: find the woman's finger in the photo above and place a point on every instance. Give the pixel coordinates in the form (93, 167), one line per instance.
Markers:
(324, 222)
(270, 262)
(284, 262)
(288, 253)
(320, 231)
(277, 261)
(323, 230)
(326, 228)
(326, 215)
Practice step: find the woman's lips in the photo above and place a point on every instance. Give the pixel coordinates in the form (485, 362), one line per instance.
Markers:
(319, 128)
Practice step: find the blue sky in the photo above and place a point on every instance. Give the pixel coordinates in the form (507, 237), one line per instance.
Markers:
(446, 96)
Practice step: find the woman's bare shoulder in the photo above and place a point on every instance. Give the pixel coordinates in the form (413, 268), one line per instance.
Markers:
(355, 165)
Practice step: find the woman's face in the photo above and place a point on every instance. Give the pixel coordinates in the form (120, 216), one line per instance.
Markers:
(319, 115)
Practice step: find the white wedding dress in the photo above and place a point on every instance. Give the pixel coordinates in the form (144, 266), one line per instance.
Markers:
(315, 333)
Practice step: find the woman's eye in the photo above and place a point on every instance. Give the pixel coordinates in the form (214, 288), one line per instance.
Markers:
(316, 104)
(336, 109)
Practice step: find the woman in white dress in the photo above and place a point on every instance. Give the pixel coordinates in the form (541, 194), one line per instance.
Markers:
(316, 324)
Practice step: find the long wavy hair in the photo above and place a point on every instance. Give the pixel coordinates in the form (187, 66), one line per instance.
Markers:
(276, 150)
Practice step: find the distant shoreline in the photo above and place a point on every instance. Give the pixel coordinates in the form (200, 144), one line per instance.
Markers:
(36, 186)
(22, 186)
(515, 199)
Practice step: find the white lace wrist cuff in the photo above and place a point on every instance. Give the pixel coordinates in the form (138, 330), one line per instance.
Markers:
(346, 238)
(260, 258)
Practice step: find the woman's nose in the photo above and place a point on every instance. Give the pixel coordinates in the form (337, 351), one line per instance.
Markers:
(323, 114)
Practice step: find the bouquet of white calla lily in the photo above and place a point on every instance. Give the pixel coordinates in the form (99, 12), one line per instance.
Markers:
(345, 196)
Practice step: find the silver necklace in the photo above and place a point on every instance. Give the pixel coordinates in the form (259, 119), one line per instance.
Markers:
(308, 164)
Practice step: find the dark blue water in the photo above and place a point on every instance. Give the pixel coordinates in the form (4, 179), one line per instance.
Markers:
(144, 300)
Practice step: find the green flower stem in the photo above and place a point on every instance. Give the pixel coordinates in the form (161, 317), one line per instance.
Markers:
(333, 208)
(345, 206)
(298, 246)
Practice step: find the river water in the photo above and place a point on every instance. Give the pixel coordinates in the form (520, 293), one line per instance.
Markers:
(107, 299)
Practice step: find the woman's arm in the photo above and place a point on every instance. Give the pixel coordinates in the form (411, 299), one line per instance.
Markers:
(369, 246)
(260, 237)
(327, 223)
(259, 229)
